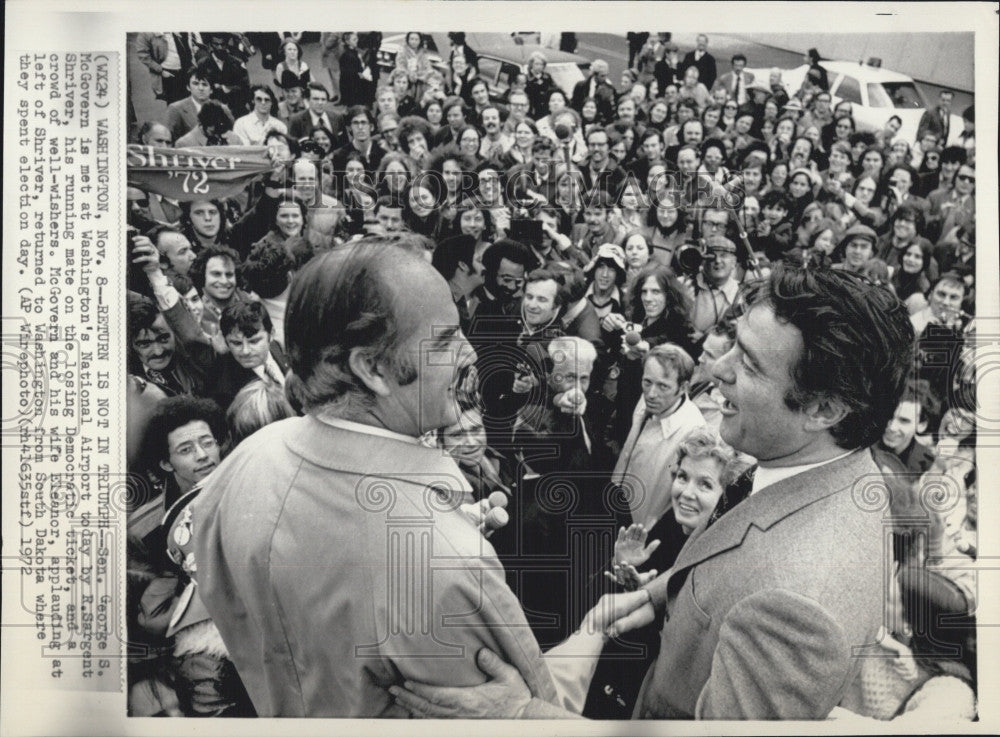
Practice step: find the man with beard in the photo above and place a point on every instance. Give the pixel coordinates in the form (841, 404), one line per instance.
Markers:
(599, 171)
(493, 303)
(690, 133)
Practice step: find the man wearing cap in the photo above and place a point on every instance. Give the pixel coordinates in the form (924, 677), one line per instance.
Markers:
(856, 247)
(293, 103)
(714, 286)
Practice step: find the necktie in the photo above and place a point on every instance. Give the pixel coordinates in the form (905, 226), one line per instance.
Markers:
(739, 89)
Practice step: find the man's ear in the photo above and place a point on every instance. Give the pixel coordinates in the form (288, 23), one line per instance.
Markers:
(167, 466)
(824, 414)
(368, 370)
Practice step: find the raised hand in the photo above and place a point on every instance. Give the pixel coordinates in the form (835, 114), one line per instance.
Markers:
(631, 548)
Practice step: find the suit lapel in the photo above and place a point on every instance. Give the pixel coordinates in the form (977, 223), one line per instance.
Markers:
(772, 504)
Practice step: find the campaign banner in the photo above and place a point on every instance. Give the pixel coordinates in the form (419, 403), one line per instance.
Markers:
(196, 172)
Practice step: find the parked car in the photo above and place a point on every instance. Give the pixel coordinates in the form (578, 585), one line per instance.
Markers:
(876, 94)
(500, 58)
(500, 64)
(435, 43)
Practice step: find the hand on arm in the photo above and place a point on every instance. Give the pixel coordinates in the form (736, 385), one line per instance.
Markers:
(504, 696)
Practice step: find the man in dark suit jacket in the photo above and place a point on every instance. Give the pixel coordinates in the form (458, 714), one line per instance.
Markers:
(789, 583)
(458, 46)
(938, 120)
(703, 60)
(182, 116)
(598, 87)
(318, 113)
(253, 354)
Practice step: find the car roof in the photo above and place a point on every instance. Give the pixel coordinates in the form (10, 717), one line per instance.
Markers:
(519, 53)
(864, 72)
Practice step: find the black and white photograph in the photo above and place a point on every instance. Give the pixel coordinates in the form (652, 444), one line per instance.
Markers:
(547, 375)
(527, 377)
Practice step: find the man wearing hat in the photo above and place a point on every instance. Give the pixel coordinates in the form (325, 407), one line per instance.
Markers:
(714, 286)
(793, 109)
(294, 101)
(855, 248)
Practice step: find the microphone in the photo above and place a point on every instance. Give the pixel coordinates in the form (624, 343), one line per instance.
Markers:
(563, 132)
(632, 337)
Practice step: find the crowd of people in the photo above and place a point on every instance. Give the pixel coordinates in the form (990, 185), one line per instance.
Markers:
(563, 316)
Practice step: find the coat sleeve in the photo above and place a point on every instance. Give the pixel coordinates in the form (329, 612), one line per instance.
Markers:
(144, 51)
(780, 655)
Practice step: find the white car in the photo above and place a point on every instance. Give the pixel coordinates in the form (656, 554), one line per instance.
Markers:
(875, 93)
(439, 47)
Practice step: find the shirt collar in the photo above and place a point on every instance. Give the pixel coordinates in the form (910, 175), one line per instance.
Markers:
(367, 429)
(615, 295)
(729, 289)
(765, 477)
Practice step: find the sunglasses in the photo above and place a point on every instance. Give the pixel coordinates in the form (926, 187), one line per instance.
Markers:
(261, 99)
(965, 178)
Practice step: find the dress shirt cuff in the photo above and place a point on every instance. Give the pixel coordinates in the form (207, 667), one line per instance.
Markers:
(539, 709)
(572, 664)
